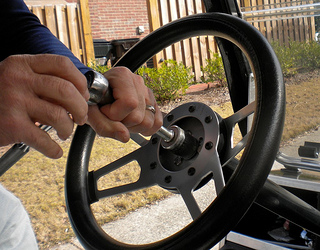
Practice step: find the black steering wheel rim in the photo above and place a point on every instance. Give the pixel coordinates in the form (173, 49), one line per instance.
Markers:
(256, 160)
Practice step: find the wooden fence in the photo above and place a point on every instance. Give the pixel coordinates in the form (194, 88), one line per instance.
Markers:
(71, 25)
(289, 25)
(282, 20)
(192, 52)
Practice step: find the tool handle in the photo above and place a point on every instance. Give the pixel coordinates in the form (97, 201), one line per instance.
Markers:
(99, 89)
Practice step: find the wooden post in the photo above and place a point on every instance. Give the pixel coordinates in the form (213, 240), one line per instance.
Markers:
(154, 23)
(86, 24)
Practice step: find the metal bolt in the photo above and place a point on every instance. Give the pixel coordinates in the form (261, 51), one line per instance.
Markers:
(209, 145)
(178, 160)
(168, 179)
(191, 171)
(208, 119)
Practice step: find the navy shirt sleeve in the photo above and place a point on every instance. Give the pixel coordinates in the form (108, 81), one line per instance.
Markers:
(22, 33)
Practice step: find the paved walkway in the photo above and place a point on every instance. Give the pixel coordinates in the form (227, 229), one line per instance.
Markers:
(155, 222)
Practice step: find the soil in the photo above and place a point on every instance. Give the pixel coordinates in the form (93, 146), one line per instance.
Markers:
(210, 97)
(302, 76)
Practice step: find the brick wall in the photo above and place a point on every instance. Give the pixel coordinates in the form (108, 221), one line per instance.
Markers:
(117, 19)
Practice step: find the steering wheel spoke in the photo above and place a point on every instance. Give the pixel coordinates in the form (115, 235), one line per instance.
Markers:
(123, 189)
(229, 123)
(191, 203)
(217, 174)
(139, 139)
(145, 178)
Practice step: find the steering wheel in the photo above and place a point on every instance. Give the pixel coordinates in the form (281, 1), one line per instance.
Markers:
(158, 167)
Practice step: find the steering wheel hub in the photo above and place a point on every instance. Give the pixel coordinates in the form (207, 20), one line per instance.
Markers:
(173, 170)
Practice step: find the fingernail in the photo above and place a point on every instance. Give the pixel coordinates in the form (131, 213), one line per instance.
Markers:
(58, 154)
(121, 136)
(84, 120)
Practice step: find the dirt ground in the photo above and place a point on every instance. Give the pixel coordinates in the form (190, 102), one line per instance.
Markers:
(210, 97)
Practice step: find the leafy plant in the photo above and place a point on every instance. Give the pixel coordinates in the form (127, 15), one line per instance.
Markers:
(169, 81)
(97, 67)
(297, 56)
(214, 70)
(285, 59)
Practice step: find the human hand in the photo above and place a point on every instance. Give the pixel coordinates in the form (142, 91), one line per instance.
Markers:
(40, 89)
(128, 112)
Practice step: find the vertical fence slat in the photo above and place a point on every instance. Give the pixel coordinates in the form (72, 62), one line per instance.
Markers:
(311, 24)
(86, 55)
(154, 23)
(61, 25)
(84, 19)
(274, 29)
(185, 43)
(50, 19)
(67, 23)
(194, 44)
(165, 18)
(202, 40)
(37, 10)
(174, 16)
(73, 30)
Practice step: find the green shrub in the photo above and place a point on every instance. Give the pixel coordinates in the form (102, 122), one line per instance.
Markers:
(214, 70)
(311, 55)
(297, 56)
(99, 68)
(285, 58)
(168, 82)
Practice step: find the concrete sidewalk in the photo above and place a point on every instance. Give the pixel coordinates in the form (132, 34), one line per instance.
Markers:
(166, 217)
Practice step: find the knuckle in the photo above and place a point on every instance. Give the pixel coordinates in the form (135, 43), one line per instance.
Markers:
(123, 71)
(138, 78)
(148, 123)
(80, 114)
(137, 119)
(65, 89)
(83, 112)
(131, 103)
(63, 62)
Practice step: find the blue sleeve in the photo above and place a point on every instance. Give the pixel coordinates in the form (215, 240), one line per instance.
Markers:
(22, 33)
